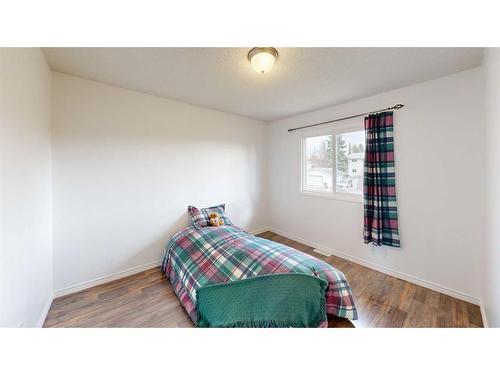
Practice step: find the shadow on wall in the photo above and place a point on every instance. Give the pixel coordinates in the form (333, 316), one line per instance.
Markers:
(157, 246)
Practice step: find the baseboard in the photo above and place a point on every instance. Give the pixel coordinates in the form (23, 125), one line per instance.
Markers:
(391, 272)
(102, 280)
(322, 250)
(45, 311)
(106, 279)
(258, 231)
(483, 315)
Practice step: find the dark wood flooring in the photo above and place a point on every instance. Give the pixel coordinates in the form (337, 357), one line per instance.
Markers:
(147, 300)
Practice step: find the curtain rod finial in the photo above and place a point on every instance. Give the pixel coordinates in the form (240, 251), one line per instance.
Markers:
(398, 106)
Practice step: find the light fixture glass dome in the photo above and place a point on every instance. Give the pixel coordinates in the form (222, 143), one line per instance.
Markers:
(262, 58)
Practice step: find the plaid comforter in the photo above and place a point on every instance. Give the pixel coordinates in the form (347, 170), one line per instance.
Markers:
(213, 255)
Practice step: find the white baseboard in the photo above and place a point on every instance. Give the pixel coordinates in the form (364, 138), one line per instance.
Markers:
(105, 279)
(118, 275)
(45, 311)
(412, 279)
(321, 249)
(483, 315)
(258, 231)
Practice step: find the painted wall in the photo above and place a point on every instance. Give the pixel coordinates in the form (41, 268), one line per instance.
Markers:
(126, 165)
(491, 260)
(25, 188)
(440, 166)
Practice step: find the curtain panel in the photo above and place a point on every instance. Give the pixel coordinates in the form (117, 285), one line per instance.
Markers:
(380, 205)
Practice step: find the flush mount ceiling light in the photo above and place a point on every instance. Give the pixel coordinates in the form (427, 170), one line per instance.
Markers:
(262, 58)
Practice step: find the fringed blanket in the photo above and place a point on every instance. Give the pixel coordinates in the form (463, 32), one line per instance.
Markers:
(279, 300)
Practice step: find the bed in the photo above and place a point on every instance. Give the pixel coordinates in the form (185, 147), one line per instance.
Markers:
(196, 257)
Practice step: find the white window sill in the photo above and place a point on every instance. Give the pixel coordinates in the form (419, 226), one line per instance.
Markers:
(336, 196)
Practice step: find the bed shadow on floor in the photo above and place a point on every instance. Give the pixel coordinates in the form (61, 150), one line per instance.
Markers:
(336, 322)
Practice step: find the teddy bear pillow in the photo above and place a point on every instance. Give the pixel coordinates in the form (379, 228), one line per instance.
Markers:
(215, 219)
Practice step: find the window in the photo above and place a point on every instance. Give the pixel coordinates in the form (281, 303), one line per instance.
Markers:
(332, 163)
(319, 163)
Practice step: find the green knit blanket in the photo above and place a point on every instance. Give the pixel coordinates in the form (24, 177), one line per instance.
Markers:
(275, 300)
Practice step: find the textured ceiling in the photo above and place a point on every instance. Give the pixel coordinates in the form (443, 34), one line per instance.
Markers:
(303, 79)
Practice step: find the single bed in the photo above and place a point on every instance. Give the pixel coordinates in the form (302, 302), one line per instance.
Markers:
(196, 257)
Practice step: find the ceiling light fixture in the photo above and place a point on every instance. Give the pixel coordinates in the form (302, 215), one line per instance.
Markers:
(262, 58)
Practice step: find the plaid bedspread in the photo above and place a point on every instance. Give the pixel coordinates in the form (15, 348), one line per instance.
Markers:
(213, 255)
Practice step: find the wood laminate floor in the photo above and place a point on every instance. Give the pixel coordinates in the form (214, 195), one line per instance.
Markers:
(147, 300)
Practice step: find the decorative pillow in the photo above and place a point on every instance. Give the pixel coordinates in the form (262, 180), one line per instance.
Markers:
(201, 216)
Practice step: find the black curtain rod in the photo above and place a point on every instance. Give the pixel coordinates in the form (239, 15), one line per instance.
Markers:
(397, 106)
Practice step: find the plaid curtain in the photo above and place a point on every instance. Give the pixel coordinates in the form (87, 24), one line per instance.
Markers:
(381, 214)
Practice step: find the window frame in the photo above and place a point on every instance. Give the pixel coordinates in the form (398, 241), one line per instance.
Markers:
(332, 131)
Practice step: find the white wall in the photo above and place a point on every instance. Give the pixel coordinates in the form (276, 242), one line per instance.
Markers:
(491, 261)
(439, 143)
(25, 188)
(126, 165)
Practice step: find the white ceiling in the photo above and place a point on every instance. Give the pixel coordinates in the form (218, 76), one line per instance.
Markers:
(302, 80)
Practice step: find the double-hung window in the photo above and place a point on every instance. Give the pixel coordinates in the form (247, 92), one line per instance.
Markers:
(333, 162)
